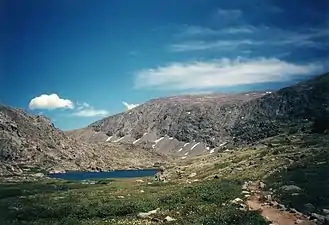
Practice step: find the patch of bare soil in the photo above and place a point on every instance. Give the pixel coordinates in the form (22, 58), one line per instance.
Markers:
(271, 210)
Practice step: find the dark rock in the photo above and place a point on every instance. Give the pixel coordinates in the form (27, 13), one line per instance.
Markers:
(290, 188)
(309, 208)
(318, 217)
(325, 211)
(292, 210)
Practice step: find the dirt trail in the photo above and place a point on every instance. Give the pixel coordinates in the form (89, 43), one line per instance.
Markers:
(269, 210)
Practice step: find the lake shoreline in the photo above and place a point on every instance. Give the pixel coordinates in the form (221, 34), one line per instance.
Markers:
(85, 175)
(99, 171)
(29, 176)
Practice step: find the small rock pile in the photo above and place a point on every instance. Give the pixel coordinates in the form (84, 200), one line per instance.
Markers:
(151, 215)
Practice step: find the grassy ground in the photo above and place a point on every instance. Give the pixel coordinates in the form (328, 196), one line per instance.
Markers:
(197, 203)
(309, 171)
(300, 160)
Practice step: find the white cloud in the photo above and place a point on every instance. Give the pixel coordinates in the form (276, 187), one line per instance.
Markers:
(130, 106)
(224, 72)
(52, 101)
(90, 112)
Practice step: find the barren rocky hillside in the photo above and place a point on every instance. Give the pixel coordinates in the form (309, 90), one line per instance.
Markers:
(189, 125)
(28, 141)
(303, 107)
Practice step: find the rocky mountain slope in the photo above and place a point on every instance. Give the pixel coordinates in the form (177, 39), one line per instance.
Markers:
(28, 142)
(304, 106)
(190, 125)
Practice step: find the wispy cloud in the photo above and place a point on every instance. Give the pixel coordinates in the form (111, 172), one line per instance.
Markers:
(202, 38)
(223, 72)
(206, 45)
(274, 9)
(86, 110)
(130, 106)
(133, 53)
(234, 16)
(91, 113)
(83, 105)
(239, 30)
(202, 92)
(198, 31)
(305, 38)
(227, 17)
(228, 14)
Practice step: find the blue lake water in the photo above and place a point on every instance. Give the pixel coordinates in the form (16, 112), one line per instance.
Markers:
(74, 175)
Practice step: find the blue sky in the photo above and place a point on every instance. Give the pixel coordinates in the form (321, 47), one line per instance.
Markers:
(77, 61)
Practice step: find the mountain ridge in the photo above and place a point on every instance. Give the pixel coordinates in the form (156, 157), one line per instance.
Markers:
(162, 129)
(218, 119)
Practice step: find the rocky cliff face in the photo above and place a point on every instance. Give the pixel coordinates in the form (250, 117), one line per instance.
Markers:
(28, 141)
(302, 107)
(189, 125)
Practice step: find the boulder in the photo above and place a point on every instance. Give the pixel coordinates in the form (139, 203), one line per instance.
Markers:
(291, 188)
(238, 169)
(192, 175)
(325, 211)
(159, 177)
(162, 169)
(281, 207)
(262, 185)
(169, 219)
(319, 217)
(269, 197)
(237, 201)
(38, 175)
(309, 208)
(56, 171)
(147, 214)
(298, 221)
